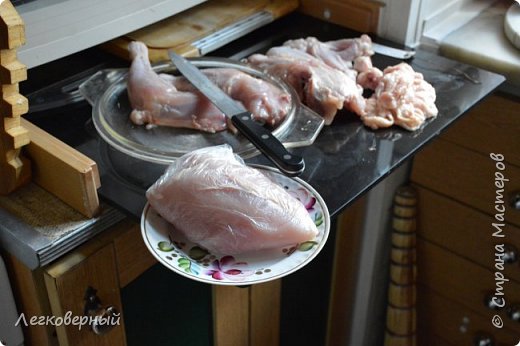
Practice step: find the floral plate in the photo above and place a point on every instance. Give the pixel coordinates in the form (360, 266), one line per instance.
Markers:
(174, 251)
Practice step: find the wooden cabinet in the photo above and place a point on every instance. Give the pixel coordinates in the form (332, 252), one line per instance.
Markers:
(88, 282)
(450, 323)
(71, 283)
(461, 205)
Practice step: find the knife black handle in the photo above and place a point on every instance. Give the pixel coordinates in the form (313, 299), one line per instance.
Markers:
(263, 139)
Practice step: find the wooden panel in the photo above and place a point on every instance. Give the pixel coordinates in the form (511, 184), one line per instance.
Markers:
(230, 315)
(434, 340)
(492, 126)
(456, 323)
(132, 256)
(67, 293)
(463, 230)
(180, 31)
(463, 281)
(63, 171)
(466, 176)
(344, 271)
(355, 14)
(265, 313)
(31, 299)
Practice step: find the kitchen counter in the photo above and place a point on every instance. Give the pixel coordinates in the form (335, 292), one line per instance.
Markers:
(346, 160)
(490, 49)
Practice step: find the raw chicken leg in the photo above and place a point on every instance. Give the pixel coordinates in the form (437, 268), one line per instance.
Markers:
(172, 101)
(156, 101)
(267, 102)
(226, 207)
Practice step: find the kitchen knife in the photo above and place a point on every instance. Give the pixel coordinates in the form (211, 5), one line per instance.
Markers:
(242, 119)
(392, 52)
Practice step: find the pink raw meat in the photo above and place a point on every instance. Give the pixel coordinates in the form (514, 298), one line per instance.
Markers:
(156, 101)
(338, 54)
(323, 88)
(172, 101)
(266, 101)
(226, 207)
(402, 97)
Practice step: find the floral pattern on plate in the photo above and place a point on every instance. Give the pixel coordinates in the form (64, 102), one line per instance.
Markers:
(174, 251)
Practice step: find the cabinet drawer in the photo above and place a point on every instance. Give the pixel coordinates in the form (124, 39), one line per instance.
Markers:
(455, 324)
(67, 283)
(463, 281)
(466, 176)
(495, 120)
(464, 231)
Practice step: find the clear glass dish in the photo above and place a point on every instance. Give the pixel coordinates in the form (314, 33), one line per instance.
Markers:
(106, 92)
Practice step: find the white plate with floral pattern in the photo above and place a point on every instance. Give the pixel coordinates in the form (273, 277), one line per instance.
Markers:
(174, 251)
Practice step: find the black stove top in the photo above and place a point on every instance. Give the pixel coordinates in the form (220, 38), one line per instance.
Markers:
(346, 160)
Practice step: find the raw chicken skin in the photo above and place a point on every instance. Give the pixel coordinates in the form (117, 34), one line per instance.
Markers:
(226, 207)
(156, 101)
(402, 97)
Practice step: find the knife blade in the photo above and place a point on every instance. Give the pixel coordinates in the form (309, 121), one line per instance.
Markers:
(392, 52)
(288, 163)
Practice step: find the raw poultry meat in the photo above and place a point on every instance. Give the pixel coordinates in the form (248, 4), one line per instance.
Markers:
(156, 101)
(266, 101)
(226, 207)
(172, 101)
(402, 97)
(338, 54)
(321, 87)
(330, 76)
(369, 76)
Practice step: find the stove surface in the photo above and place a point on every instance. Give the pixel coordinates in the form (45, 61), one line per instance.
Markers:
(346, 160)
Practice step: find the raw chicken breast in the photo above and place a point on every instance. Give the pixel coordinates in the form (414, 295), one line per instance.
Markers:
(402, 97)
(226, 207)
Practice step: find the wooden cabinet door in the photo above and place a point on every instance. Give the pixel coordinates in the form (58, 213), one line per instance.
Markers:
(450, 323)
(468, 177)
(67, 282)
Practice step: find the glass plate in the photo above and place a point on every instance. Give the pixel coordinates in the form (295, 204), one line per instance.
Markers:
(106, 91)
(172, 249)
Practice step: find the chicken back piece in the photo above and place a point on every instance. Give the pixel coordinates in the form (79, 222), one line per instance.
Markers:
(322, 88)
(226, 207)
(338, 54)
(172, 101)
